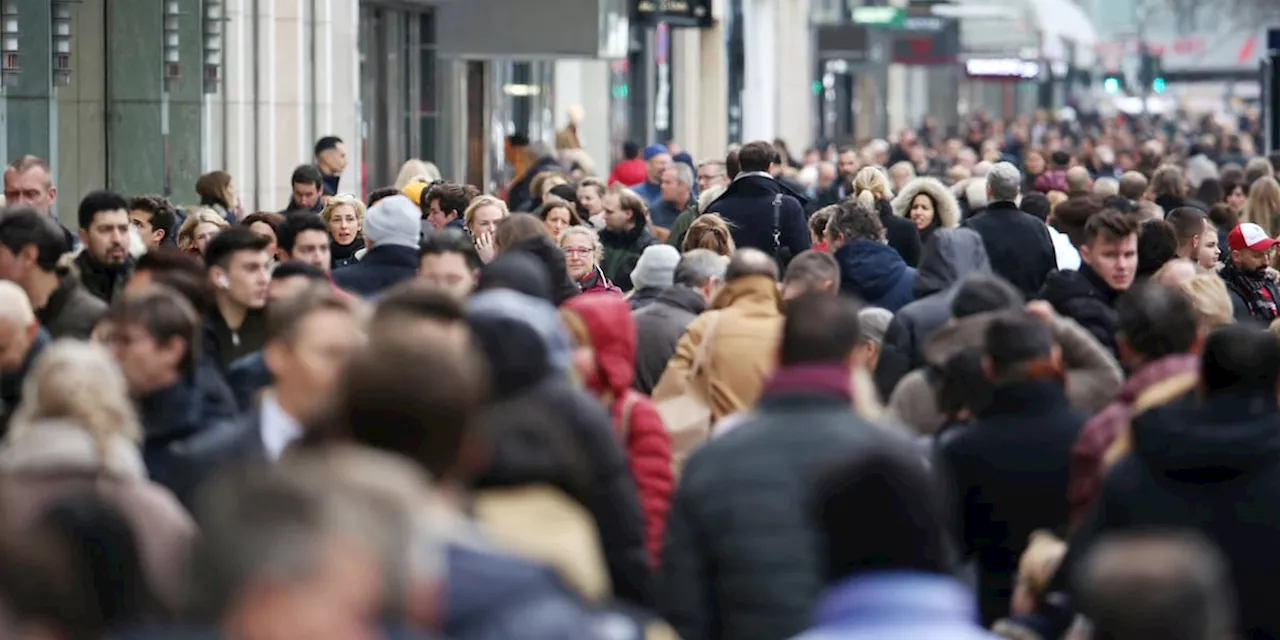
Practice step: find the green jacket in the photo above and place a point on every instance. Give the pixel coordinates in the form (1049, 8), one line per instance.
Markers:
(681, 226)
(622, 251)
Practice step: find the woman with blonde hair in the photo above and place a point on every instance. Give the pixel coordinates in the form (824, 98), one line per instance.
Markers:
(582, 255)
(76, 432)
(481, 220)
(542, 185)
(415, 170)
(871, 188)
(1263, 205)
(902, 173)
(711, 232)
(199, 228)
(344, 215)
(1208, 294)
(217, 193)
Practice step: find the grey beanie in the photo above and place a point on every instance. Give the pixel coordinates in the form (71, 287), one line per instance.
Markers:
(875, 322)
(657, 267)
(395, 221)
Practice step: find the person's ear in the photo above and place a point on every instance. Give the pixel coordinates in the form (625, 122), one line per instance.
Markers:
(273, 355)
(1085, 255)
(158, 235)
(29, 253)
(84, 236)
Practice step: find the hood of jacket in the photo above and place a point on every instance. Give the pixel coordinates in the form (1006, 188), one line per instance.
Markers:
(1063, 286)
(57, 444)
(945, 208)
(948, 258)
(1230, 434)
(756, 185)
(869, 269)
(522, 337)
(682, 297)
(750, 293)
(613, 337)
(486, 588)
(956, 336)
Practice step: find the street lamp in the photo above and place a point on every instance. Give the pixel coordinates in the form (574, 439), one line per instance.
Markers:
(9, 49)
(213, 19)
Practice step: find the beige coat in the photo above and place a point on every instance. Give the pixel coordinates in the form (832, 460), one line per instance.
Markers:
(1093, 376)
(747, 316)
(46, 461)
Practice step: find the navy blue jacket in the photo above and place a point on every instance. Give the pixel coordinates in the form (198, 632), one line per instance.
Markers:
(876, 274)
(747, 205)
(247, 376)
(382, 268)
(1018, 245)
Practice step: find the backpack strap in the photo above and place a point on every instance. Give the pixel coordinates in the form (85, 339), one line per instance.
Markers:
(777, 226)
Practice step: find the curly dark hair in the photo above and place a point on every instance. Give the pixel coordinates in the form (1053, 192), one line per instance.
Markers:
(854, 221)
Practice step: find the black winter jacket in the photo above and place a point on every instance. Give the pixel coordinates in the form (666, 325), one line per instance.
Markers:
(741, 558)
(747, 205)
(900, 233)
(71, 312)
(1084, 297)
(381, 268)
(953, 254)
(1212, 467)
(1018, 246)
(103, 281)
(1009, 471)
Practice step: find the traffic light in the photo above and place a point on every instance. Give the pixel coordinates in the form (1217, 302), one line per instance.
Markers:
(1111, 83)
(1151, 72)
(1157, 85)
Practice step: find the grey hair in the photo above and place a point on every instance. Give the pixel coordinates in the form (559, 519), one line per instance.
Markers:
(699, 266)
(684, 174)
(1005, 181)
(15, 306)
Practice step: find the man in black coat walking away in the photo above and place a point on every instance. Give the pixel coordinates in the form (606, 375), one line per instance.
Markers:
(761, 212)
(1109, 264)
(1017, 243)
(1010, 478)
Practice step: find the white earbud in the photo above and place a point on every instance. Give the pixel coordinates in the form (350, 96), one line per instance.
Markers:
(223, 282)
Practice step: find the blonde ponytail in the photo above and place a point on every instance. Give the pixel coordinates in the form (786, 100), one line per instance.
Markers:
(867, 199)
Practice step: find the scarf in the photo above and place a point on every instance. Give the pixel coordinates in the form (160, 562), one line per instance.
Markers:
(1255, 289)
(344, 253)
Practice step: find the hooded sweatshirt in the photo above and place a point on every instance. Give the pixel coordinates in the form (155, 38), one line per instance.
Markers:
(876, 274)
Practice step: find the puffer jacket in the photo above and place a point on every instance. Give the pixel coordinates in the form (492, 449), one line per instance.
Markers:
(953, 255)
(1084, 297)
(635, 420)
(876, 274)
(528, 352)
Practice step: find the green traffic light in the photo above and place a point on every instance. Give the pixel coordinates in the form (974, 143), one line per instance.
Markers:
(1158, 85)
(1111, 85)
(817, 87)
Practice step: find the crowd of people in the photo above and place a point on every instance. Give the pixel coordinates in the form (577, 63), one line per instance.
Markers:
(1019, 382)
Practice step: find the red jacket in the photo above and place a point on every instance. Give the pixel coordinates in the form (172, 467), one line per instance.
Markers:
(629, 172)
(613, 337)
(1096, 437)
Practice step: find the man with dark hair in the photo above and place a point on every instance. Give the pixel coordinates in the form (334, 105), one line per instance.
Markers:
(812, 271)
(869, 269)
(154, 218)
(1110, 264)
(444, 205)
(907, 551)
(1254, 295)
(240, 270)
(740, 506)
(1208, 462)
(1157, 245)
(307, 185)
(732, 167)
(847, 165)
(763, 213)
(1157, 586)
(288, 279)
(696, 279)
(31, 244)
(1189, 224)
(186, 410)
(105, 264)
(303, 237)
(331, 159)
(449, 260)
(1011, 480)
(1158, 338)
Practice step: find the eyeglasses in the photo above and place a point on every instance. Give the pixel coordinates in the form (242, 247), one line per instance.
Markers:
(579, 251)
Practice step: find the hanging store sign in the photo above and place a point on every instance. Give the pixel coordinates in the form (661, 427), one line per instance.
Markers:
(926, 40)
(1002, 68)
(849, 42)
(675, 13)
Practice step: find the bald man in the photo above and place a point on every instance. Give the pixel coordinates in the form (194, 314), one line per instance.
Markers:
(1079, 183)
(21, 340)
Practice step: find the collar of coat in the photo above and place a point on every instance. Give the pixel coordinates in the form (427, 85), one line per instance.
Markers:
(754, 292)
(57, 444)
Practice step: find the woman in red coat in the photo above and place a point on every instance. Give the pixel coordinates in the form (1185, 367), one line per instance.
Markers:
(606, 335)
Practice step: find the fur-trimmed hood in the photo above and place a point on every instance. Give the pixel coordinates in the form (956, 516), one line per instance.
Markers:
(947, 210)
(45, 445)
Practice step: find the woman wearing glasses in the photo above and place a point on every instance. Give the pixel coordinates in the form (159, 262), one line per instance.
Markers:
(344, 217)
(582, 253)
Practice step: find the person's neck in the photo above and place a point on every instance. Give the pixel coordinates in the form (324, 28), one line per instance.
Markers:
(167, 381)
(1185, 252)
(41, 287)
(232, 313)
(290, 402)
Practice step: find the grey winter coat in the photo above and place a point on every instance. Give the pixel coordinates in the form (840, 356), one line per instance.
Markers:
(659, 327)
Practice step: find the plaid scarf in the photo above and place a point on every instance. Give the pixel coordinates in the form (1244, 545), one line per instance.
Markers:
(1255, 288)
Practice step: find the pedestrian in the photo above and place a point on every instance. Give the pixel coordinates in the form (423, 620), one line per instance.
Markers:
(871, 188)
(1157, 245)
(391, 233)
(697, 277)
(652, 275)
(1088, 296)
(582, 254)
(741, 503)
(344, 217)
(737, 338)
(156, 220)
(31, 248)
(303, 237)
(240, 270)
(656, 160)
(762, 213)
(710, 232)
(1017, 243)
(1254, 294)
(631, 171)
(306, 190)
(869, 269)
(1012, 480)
(482, 218)
(678, 195)
(928, 205)
(217, 193)
(445, 204)
(448, 260)
(331, 160)
(625, 236)
(558, 215)
(811, 272)
(198, 228)
(24, 340)
(105, 264)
